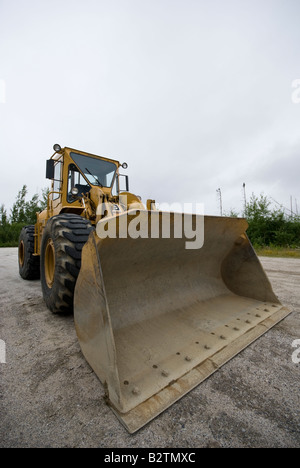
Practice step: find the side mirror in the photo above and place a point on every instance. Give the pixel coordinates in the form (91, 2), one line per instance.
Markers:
(123, 179)
(50, 169)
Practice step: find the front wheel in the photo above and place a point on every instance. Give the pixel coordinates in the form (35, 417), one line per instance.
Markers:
(63, 239)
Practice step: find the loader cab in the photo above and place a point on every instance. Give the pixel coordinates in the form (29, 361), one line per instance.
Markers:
(74, 173)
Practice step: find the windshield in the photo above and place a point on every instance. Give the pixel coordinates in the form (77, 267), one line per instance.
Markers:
(97, 171)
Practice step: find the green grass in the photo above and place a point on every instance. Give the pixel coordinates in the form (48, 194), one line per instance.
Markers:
(9, 244)
(273, 251)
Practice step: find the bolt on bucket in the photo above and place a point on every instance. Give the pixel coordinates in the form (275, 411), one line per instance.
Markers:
(155, 317)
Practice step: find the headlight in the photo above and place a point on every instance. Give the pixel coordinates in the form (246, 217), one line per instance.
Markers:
(57, 148)
(74, 191)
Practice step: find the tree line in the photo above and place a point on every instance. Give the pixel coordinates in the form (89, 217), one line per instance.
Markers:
(268, 226)
(22, 213)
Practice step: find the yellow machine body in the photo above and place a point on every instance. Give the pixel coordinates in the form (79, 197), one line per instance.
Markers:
(154, 318)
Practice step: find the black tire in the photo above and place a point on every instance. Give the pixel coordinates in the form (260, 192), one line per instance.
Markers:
(29, 265)
(63, 239)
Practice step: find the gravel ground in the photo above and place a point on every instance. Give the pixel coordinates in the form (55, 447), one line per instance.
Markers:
(49, 397)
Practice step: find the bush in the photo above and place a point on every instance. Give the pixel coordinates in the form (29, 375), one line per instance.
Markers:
(23, 213)
(271, 227)
(9, 234)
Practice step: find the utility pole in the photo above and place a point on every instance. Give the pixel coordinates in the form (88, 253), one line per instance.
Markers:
(220, 199)
(245, 199)
(291, 206)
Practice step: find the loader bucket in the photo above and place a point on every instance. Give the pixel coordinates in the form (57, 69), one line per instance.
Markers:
(154, 318)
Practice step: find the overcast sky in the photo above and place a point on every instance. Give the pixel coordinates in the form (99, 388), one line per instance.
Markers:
(194, 95)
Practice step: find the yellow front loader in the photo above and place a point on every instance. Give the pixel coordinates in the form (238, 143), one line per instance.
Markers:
(161, 300)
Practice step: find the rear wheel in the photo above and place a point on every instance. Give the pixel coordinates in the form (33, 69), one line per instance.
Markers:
(63, 239)
(29, 264)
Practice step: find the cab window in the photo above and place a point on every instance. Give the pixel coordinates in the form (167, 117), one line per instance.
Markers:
(76, 181)
(57, 180)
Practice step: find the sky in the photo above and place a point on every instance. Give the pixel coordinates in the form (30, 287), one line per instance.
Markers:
(194, 95)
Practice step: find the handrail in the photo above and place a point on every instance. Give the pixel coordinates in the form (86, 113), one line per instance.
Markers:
(48, 202)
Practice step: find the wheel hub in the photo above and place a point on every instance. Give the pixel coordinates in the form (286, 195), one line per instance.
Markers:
(21, 253)
(49, 263)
